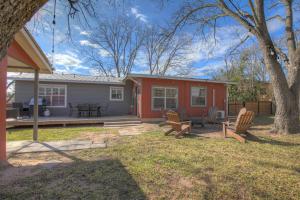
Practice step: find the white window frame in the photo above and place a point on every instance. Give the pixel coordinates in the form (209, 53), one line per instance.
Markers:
(55, 86)
(198, 87)
(110, 93)
(165, 97)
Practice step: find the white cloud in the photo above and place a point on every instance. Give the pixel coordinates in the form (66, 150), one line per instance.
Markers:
(85, 33)
(68, 62)
(103, 53)
(88, 43)
(136, 13)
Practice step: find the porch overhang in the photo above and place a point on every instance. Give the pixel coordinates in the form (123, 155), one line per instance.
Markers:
(23, 55)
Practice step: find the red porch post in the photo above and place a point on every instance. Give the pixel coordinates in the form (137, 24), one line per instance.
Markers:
(3, 77)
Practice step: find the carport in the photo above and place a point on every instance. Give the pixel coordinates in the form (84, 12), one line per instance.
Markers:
(23, 55)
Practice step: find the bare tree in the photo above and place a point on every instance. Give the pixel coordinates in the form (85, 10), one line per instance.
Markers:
(15, 14)
(252, 16)
(116, 43)
(164, 53)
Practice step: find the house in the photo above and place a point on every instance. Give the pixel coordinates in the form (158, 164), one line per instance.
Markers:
(137, 94)
(61, 89)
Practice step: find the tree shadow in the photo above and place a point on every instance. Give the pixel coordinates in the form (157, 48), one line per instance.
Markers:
(276, 165)
(101, 179)
(265, 140)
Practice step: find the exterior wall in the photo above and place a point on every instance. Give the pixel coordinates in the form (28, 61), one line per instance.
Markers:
(78, 93)
(184, 97)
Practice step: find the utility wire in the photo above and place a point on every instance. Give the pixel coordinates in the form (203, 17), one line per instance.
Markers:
(53, 32)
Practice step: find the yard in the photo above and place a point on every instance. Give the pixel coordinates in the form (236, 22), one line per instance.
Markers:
(154, 166)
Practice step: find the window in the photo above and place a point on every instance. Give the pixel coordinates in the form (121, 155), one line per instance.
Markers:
(54, 95)
(198, 96)
(116, 93)
(164, 98)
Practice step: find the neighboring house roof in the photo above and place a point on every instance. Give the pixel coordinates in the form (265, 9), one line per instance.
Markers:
(175, 78)
(68, 78)
(74, 78)
(24, 54)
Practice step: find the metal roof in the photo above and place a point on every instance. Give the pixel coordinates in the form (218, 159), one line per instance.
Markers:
(67, 78)
(176, 78)
(74, 78)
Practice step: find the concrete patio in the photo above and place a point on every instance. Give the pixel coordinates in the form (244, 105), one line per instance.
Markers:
(64, 145)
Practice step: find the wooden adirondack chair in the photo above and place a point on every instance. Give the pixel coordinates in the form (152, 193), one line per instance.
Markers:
(180, 127)
(242, 124)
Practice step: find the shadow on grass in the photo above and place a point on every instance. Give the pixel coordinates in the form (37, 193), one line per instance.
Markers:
(264, 120)
(276, 165)
(265, 140)
(101, 179)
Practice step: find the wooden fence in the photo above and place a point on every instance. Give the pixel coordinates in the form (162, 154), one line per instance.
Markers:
(259, 107)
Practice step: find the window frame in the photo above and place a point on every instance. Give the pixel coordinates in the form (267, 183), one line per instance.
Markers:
(54, 86)
(165, 97)
(191, 96)
(116, 87)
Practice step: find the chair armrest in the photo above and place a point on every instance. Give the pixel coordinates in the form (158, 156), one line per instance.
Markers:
(186, 122)
(173, 123)
(228, 123)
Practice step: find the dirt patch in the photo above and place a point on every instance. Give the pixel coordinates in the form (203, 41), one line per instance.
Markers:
(30, 164)
(209, 131)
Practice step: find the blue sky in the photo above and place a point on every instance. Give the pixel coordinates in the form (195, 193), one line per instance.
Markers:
(204, 56)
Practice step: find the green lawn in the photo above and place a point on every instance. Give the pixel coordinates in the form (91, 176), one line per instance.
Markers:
(153, 166)
(51, 134)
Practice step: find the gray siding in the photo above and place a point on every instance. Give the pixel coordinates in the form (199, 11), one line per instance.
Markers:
(81, 93)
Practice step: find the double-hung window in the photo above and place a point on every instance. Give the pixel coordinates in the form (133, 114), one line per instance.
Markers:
(198, 96)
(164, 98)
(116, 93)
(54, 95)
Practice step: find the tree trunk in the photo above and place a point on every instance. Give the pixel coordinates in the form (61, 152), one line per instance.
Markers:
(14, 14)
(286, 95)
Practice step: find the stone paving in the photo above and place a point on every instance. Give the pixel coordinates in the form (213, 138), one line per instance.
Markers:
(63, 145)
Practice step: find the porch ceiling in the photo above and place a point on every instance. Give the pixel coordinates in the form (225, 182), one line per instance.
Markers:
(24, 55)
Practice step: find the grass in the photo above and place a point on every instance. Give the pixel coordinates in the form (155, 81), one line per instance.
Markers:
(51, 134)
(153, 166)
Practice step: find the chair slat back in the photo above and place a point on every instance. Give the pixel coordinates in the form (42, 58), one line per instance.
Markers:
(244, 120)
(173, 116)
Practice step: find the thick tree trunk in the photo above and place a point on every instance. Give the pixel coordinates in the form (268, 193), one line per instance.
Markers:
(286, 95)
(287, 116)
(13, 16)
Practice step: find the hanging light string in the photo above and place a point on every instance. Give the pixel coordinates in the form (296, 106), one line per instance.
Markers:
(53, 32)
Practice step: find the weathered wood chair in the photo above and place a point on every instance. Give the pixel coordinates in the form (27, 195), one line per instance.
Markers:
(241, 126)
(180, 127)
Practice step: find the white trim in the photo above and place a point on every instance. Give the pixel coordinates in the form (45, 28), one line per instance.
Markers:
(191, 101)
(114, 87)
(57, 86)
(165, 102)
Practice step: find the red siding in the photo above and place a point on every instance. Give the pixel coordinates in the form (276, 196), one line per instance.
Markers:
(184, 97)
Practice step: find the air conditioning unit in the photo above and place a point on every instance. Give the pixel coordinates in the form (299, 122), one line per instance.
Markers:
(220, 114)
